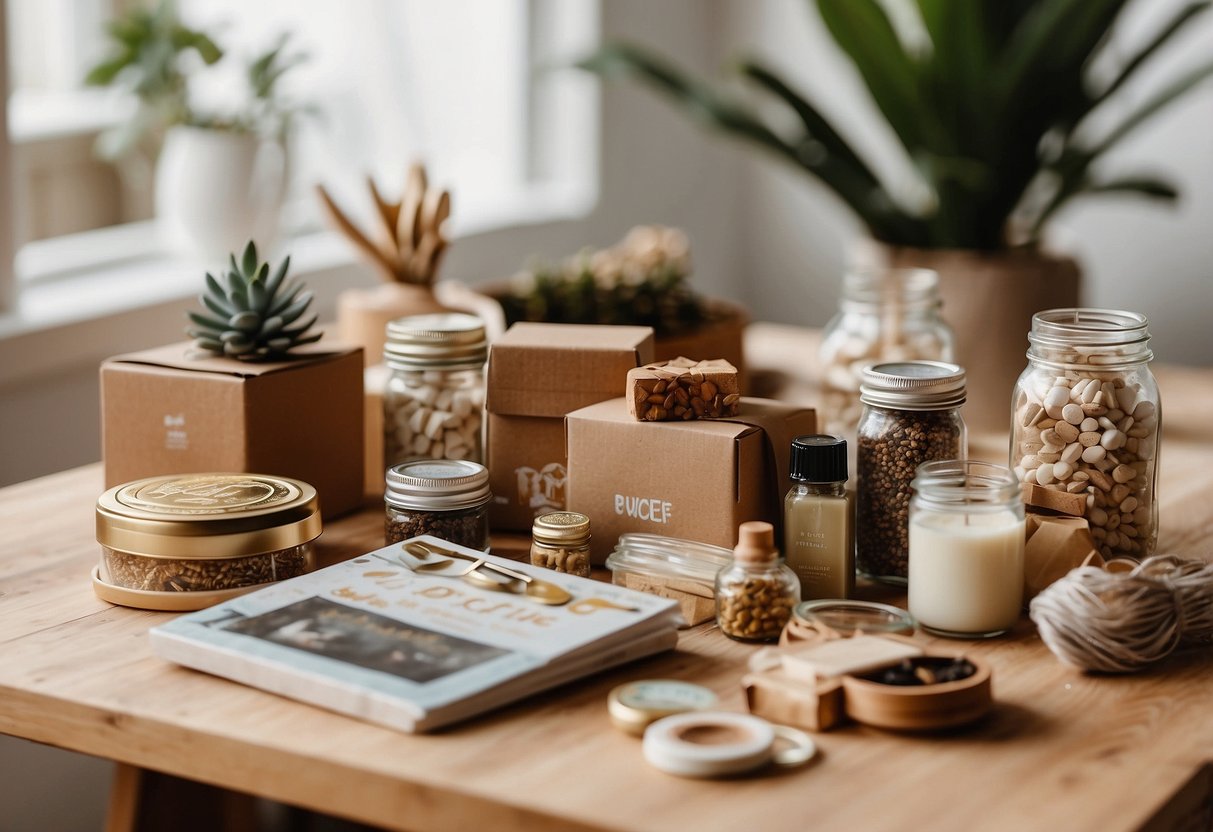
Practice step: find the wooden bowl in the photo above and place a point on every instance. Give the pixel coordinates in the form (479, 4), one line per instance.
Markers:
(920, 708)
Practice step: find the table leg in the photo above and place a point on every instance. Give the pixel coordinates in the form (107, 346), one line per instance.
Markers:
(123, 812)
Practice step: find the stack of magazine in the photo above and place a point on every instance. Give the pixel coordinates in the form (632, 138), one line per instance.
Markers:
(412, 642)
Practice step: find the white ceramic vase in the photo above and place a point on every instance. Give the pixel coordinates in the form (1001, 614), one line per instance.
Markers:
(217, 189)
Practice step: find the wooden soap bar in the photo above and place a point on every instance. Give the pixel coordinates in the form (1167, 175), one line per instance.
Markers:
(845, 656)
(683, 389)
(1063, 502)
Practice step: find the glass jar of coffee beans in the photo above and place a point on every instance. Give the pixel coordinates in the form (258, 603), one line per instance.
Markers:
(446, 498)
(1086, 421)
(911, 415)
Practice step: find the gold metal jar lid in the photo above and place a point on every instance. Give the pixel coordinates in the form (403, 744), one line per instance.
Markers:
(562, 528)
(441, 341)
(636, 705)
(205, 516)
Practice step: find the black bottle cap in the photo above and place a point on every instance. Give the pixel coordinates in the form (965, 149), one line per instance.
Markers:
(819, 457)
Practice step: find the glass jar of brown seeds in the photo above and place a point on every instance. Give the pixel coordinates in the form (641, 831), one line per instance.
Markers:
(447, 498)
(911, 415)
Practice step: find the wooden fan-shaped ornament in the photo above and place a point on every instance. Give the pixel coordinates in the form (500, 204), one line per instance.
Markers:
(404, 243)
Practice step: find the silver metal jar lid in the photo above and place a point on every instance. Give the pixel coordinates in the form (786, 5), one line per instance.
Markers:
(441, 341)
(913, 385)
(437, 484)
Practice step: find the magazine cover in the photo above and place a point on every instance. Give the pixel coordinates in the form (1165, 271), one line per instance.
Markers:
(417, 642)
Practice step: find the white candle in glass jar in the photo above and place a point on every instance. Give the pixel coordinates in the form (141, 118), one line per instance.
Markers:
(966, 571)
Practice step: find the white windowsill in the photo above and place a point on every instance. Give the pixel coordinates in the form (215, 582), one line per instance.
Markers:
(86, 296)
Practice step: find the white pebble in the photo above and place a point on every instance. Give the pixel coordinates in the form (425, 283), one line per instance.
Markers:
(1144, 410)
(1093, 454)
(1072, 453)
(1124, 473)
(1072, 413)
(1062, 470)
(1044, 474)
(1113, 439)
(1066, 432)
(1088, 425)
(1056, 400)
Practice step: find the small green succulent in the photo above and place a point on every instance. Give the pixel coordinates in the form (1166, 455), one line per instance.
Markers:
(255, 317)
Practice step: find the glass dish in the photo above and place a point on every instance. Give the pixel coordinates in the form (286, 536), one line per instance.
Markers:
(671, 568)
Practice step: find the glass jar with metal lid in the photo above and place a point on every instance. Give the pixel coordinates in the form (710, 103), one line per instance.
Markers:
(1087, 420)
(885, 314)
(911, 415)
(446, 498)
(184, 542)
(561, 541)
(433, 403)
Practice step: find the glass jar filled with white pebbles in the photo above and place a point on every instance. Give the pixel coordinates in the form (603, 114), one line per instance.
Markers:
(433, 405)
(1086, 420)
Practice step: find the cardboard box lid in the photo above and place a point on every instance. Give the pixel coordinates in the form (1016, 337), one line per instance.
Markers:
(774, 419)
(183, 356)
(551, 369)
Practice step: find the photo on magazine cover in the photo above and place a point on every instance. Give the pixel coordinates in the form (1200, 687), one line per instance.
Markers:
(376, 642)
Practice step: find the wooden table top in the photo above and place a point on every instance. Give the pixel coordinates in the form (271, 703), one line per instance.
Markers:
(1061, 750)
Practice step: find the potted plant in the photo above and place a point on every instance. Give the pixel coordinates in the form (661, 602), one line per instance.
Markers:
(641, 281)
(219, 178)
(997, 110)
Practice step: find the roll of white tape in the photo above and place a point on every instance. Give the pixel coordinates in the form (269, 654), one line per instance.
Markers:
(712, 744)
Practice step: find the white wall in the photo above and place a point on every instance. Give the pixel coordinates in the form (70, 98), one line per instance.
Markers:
(1136, 255)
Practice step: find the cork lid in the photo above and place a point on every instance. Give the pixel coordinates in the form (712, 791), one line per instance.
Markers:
(755, 543)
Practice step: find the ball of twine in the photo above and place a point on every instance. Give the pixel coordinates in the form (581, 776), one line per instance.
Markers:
(1120, 622)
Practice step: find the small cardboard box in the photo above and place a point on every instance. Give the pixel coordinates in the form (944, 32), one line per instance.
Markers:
(166, 412)
(696, 480)
(537, 374)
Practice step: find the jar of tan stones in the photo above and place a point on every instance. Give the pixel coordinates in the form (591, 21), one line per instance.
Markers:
(434, 400)
(1087, 421)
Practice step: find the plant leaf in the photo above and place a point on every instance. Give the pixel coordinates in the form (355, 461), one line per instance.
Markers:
(212, 303)
(249, 261)
(1176, 24)
(863, 30)
(271, 287)
(205, 322)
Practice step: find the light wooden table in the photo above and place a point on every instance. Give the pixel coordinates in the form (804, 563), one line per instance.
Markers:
(1061, 750)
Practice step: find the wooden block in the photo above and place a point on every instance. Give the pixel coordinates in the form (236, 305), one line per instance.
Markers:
(773, 695)
(1037, 496)
(831, 659)
(682, 389)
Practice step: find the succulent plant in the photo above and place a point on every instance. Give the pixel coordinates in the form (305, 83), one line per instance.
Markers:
(642, 281)
(254, 316)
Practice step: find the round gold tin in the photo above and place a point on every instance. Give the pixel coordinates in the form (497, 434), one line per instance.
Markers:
(201, 516)
(187, 541)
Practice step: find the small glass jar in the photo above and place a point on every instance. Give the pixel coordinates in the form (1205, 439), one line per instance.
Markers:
(433, 404)
(885, 315)
(1087, 420)
(561, 541)
(448, 499)
(911, 415)
(184, 542)
(683, 570)
(966, 549)
(756, 592)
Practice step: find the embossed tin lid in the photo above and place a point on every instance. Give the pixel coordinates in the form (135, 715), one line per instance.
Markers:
(557, 527)
(636, 705)
(205, 516)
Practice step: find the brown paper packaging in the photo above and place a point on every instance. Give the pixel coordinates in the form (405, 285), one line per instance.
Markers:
(164, 411)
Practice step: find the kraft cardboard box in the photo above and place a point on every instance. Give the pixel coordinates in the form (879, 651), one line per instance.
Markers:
(696, 480)
(164, 411)
(538, 373)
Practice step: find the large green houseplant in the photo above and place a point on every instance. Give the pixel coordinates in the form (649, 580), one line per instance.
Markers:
(996, 106)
